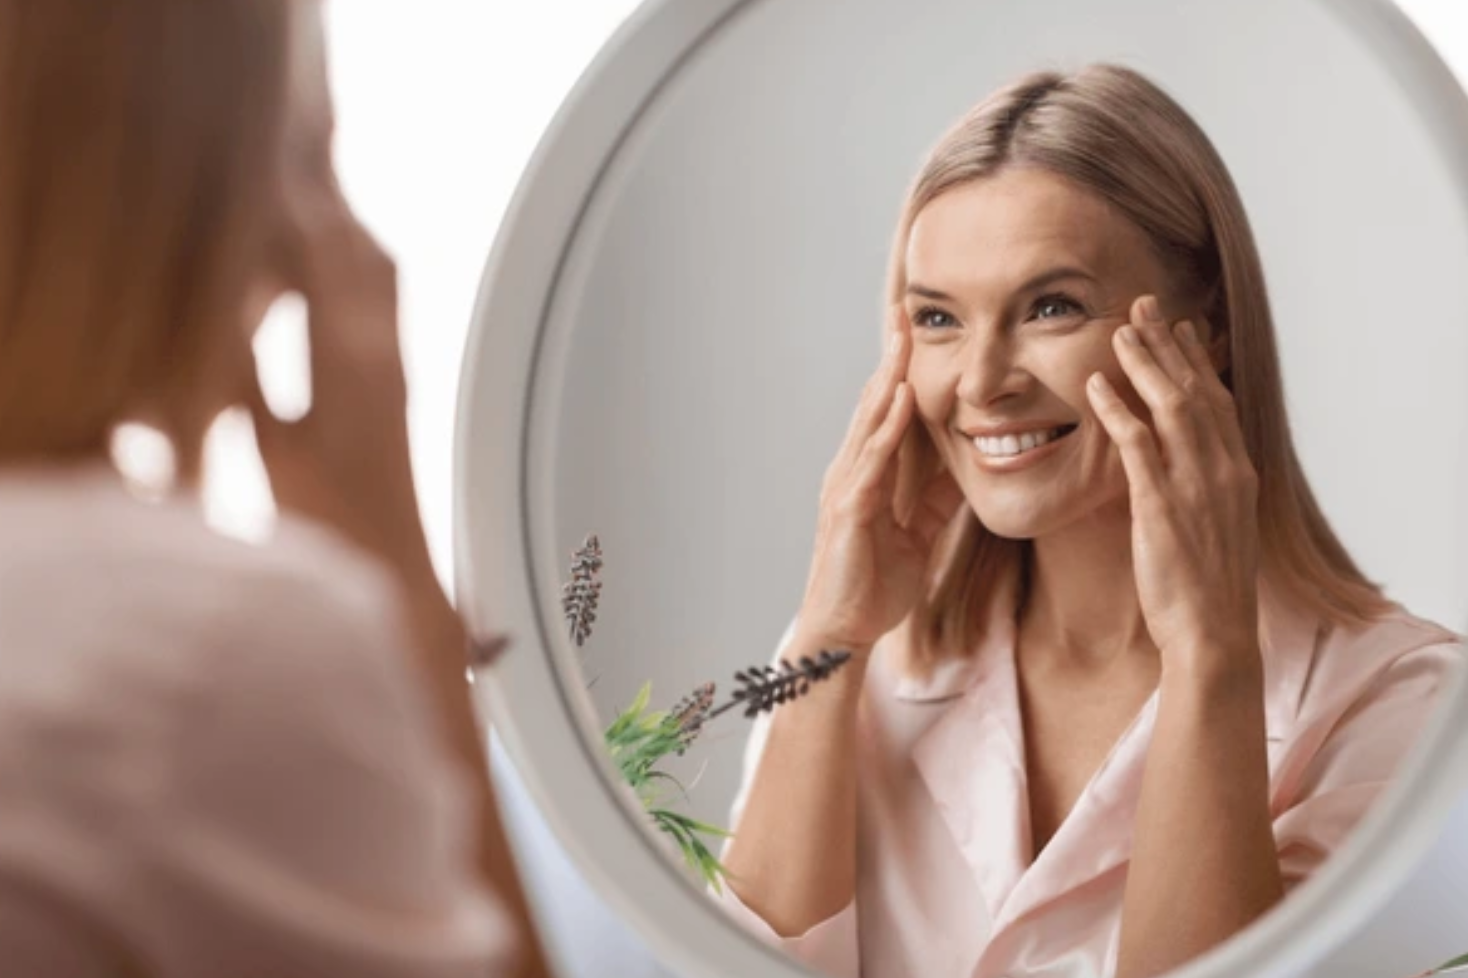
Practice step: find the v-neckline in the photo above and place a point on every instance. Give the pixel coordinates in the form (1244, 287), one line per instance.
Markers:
(1033, 850)
(973, 763)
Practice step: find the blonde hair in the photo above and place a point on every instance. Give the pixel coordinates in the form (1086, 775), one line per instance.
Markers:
(1109, 130)
(138, 142)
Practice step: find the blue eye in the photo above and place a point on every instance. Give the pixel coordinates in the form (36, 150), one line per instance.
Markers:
(1055, 306)
(930, 317)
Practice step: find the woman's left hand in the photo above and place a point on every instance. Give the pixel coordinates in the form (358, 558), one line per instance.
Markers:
(1195, 536)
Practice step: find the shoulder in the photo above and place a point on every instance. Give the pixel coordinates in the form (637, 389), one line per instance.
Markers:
(198, 733)
(90, 568)
(133, 625)
(174, 650)
(1358, 699)
(1397, 654)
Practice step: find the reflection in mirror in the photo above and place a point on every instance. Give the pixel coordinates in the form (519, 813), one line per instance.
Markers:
(1083, 676)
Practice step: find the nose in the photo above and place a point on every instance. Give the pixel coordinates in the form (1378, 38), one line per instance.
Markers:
(989, 368)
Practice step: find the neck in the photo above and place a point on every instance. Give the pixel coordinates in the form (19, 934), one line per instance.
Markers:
(1081, 603)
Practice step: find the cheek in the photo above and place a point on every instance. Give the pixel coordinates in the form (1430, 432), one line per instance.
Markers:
(1070, 371)
(1066, 368)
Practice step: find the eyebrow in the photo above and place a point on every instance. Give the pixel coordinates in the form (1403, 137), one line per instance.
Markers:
(1048, 277)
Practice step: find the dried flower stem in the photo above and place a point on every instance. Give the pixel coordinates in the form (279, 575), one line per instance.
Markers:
(765, 687)
(639, 738)
(579, 596)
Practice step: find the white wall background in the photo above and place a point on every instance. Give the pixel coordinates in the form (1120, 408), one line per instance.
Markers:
(441, 103)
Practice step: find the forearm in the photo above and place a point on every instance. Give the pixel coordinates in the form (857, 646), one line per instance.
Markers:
(793, 856)
(1204, 864)
(441, 639)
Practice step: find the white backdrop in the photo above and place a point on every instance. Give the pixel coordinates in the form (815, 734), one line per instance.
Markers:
(441, 103)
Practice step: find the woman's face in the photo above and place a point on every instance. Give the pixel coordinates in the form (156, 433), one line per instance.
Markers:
(1015, 285)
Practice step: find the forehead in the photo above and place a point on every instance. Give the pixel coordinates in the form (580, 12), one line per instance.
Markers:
(1018, 223)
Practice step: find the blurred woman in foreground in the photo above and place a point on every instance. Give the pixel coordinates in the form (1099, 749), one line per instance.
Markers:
(216, 758)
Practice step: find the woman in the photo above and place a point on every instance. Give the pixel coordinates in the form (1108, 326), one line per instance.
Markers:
(215, 758)
(1117, 687)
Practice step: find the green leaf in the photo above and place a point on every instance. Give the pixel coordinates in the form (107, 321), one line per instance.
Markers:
(653, 721)
(630, 716)
(664, 776)
(707, 829)
(636, 741)
(1455, 963)
(697, 855)
(695, 825)
(643, 696)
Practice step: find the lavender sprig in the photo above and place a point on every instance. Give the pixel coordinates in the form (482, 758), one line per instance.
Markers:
(579, 595)
(765, 687)
(690, 713)
(639, 738)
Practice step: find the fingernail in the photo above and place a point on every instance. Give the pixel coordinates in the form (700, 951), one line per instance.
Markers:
(1099, 384)
(894, 342)
(1150, 309)
(485, 651)
(1186, 331)
(1129, 335)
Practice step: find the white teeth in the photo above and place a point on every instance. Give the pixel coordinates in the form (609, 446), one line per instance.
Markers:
(1007, 445)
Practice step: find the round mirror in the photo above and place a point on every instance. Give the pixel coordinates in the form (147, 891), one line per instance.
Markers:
(674, 332)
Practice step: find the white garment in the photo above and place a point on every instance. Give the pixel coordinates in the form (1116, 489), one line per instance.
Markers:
(216, 759)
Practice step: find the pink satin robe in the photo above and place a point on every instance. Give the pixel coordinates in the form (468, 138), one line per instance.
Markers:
(218, 759)
(945, 887)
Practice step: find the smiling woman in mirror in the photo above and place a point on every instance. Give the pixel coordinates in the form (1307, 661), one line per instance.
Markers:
(1117, 686)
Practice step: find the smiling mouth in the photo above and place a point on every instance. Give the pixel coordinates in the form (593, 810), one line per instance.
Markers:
(1009, 446)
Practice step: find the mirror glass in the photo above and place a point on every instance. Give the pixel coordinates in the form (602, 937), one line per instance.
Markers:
(722, 306)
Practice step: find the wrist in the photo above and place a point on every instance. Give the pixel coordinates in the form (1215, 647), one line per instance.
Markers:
(813, 642)
(1214, 673)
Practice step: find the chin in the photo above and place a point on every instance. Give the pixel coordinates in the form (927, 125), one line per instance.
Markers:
(1013, 513)
(1018, 519)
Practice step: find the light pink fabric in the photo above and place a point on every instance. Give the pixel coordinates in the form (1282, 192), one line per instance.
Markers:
(945, 886)
(215, 759)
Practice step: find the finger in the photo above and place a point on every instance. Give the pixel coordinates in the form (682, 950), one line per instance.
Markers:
(1183, 422)
(1134, 440)
(484, 652)
(941, 498)
(1157, 335)
(875, 466)
(1220, 399)
(349, 284)
(877, 396)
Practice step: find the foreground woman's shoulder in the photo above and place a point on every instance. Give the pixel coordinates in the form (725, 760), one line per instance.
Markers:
(221, 752)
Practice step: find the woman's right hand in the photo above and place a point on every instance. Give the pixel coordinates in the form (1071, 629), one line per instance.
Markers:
(346, 463)
(869, 565)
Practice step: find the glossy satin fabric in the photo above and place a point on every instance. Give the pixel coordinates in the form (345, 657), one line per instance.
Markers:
(945, 886)
(218, 759)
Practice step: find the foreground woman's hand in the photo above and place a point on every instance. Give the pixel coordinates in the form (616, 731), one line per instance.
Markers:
(346, 465)
(867, 569)
(1195, 535)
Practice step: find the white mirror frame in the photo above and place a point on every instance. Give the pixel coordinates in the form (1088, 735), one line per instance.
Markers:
(504, 586)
